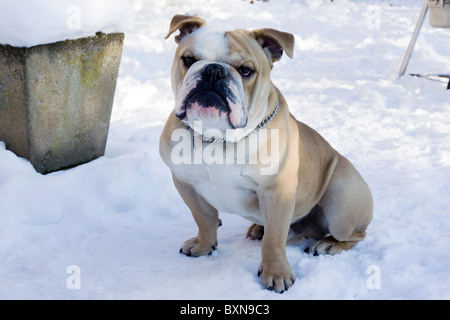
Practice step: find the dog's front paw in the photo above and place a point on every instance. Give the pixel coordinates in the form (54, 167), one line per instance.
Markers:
(277, 276)
(195, 248)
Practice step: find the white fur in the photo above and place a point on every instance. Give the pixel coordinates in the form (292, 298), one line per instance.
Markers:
(210, 43)
(227, 187)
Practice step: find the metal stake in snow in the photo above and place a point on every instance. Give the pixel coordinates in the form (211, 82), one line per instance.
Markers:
(414, 37)
(439, 18)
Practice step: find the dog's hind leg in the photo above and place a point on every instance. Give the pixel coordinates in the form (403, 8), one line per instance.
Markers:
(347, 205)
(255, 232)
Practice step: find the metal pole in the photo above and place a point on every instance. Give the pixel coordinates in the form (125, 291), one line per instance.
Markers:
(414, 37)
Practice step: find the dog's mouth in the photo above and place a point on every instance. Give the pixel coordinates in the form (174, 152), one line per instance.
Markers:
(205, 105)
(208, 99)
(211, 95)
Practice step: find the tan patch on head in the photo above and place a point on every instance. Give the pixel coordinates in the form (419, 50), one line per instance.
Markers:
(246, 51)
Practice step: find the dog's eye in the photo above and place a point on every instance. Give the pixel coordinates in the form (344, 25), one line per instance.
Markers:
(245, 72)
(188, 61)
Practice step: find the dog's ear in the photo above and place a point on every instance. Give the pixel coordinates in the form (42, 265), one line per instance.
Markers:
(186, 25)
(274, 42)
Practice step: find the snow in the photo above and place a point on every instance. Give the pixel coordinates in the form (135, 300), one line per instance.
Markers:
(121, 221)
(27, 23)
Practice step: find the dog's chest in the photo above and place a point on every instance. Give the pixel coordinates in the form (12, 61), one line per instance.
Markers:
(228, 188)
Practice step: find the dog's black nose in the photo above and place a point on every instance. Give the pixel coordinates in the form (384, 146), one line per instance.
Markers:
(214, 72)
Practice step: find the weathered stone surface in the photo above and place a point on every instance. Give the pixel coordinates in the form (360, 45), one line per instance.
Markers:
(440, 15)
(56, 99)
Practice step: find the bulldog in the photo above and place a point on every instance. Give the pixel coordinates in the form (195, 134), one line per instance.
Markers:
(228, 117)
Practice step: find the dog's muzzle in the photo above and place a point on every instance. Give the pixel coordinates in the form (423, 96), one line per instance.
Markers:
(210, 94)
(211, 91)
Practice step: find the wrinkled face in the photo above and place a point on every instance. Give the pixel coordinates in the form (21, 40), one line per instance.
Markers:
(220, 78)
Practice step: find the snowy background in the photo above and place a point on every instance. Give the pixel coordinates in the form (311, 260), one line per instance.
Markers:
(120, 220)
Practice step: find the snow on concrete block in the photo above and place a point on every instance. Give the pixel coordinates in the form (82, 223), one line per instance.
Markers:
(56, 99)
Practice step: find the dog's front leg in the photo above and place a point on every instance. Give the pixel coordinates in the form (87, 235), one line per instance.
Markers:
(275, 270)
(206, 217)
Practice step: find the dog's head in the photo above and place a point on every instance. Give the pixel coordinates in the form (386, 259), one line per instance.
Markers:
(222, 78)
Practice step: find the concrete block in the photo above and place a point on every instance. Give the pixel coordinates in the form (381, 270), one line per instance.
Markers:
(56, 99)
(439, 13)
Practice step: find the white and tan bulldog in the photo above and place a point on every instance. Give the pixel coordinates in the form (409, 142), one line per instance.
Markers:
(233, 146)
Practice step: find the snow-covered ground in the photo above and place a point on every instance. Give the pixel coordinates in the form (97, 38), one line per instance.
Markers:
(120, 221)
